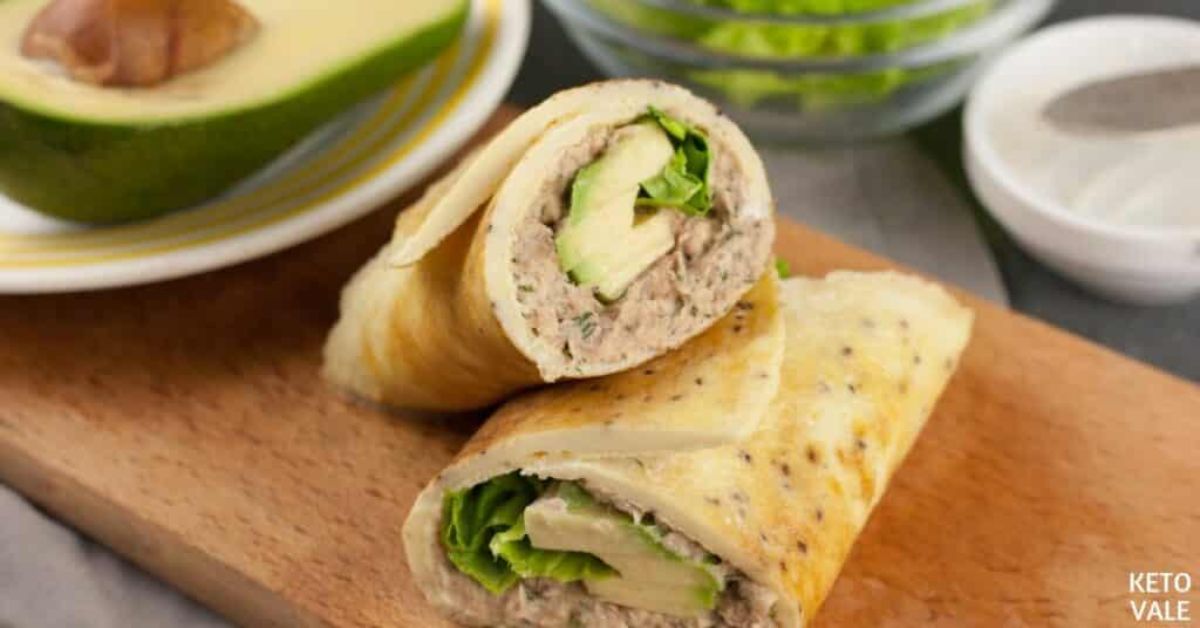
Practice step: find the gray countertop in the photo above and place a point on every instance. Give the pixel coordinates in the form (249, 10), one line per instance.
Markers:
(1168, 337)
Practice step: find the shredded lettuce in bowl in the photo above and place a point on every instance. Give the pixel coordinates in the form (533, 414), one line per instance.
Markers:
(811, 7)
(764, 40)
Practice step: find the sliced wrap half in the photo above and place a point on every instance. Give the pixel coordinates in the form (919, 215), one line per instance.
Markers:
(601, 229)
(749, 531)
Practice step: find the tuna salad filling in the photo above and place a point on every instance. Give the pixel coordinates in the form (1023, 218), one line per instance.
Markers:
(636, 243)
(523, 551)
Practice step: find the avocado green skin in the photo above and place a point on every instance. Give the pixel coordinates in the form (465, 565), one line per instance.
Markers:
(106, 173)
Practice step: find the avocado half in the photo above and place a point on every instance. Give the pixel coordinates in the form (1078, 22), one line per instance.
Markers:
(100, 155)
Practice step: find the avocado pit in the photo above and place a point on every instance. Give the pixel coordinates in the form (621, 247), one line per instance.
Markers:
(136, 43)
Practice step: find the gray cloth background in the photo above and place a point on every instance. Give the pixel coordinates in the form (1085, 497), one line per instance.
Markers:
(893, 198)
(51, 577)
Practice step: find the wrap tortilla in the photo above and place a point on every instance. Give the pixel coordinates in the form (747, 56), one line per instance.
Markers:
(771, 514)
(471, 301)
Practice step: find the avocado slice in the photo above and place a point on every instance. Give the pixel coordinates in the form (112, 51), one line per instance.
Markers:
(651, 576)
(99, 154)
(604, 243)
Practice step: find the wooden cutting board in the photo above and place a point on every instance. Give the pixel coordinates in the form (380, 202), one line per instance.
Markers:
(185, 425)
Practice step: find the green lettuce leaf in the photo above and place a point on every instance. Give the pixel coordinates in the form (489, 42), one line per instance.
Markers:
(483, 533)
(684, 181)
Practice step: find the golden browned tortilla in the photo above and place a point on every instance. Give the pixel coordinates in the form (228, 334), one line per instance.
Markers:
(468, 303)
(777, 505)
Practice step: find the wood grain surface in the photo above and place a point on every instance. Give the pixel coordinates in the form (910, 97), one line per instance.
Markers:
(185, 425)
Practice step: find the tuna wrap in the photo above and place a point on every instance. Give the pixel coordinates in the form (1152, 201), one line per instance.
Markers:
(600, 229)
(561, 512)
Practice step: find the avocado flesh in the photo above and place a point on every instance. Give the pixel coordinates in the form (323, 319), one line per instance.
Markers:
(652, 577)
(95, 154)
(612, 273)
(665, 599)
(604, 243)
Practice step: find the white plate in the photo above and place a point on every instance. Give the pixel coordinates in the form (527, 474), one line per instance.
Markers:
(346, 169)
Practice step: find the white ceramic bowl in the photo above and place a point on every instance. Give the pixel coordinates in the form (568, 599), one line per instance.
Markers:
(1145, 265)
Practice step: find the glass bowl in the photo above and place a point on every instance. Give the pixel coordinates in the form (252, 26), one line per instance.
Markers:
(834, 72)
